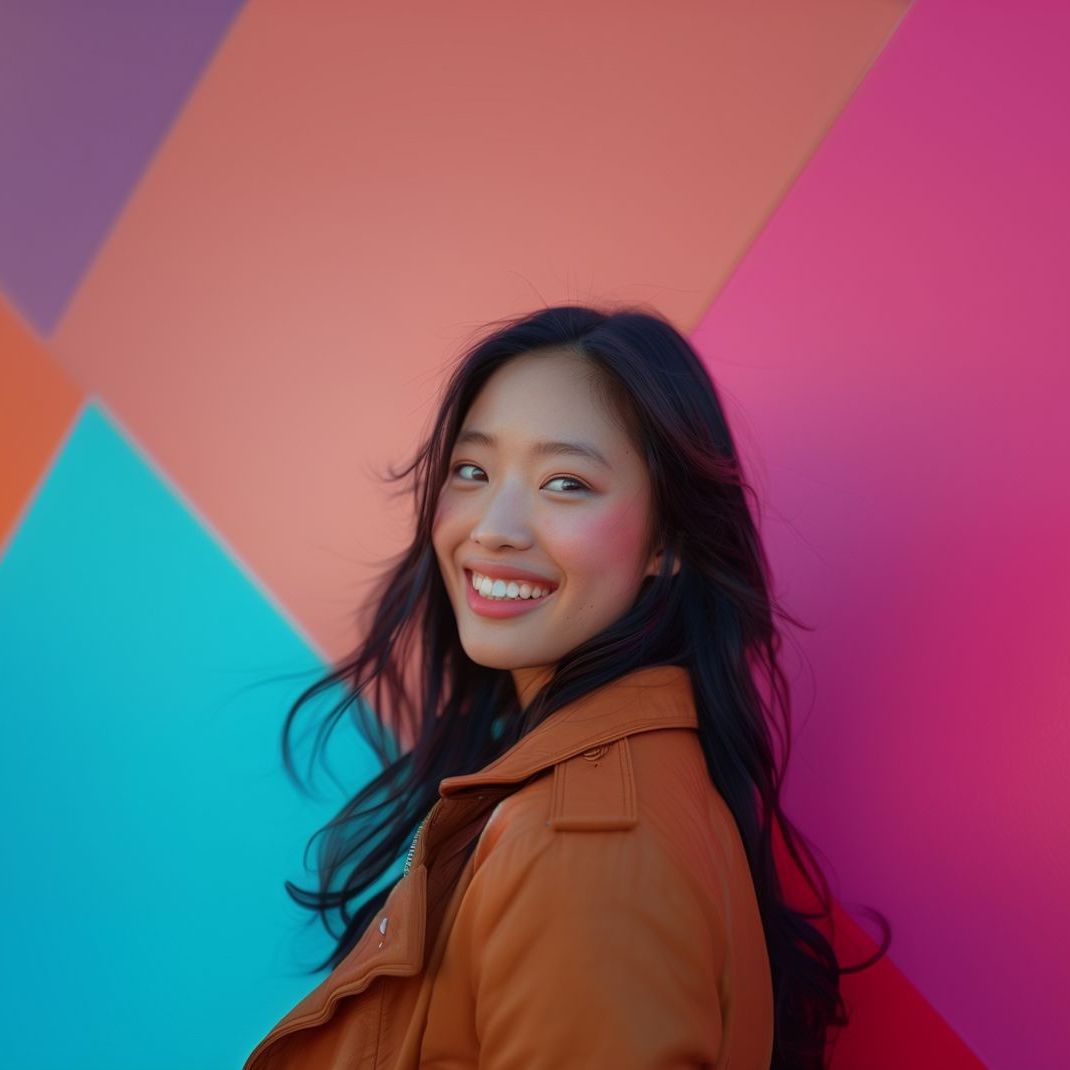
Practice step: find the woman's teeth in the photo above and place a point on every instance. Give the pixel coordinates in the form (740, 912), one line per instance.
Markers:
(506, 589)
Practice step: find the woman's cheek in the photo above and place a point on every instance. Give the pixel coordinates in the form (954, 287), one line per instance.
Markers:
(599, 542)
(444, 537)
(445, 514)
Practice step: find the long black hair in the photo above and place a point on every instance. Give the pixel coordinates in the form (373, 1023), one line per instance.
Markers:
(716, 617)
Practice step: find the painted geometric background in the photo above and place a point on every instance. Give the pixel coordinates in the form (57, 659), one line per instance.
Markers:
(239, 244)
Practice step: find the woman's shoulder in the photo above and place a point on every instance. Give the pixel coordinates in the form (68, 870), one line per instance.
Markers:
(578, 901)
(615, 882)
(643, 799)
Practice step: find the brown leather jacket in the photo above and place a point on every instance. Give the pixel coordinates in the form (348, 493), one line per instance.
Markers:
(606, 916)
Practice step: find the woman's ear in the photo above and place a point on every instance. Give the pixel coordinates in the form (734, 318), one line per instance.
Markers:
(655, 564)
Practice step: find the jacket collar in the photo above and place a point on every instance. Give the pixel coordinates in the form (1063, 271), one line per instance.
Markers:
(655, 696)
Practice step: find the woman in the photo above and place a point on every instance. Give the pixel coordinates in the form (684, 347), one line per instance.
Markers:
(573, 642)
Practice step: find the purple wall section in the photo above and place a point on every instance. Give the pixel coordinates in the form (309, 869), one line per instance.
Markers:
(87, 92)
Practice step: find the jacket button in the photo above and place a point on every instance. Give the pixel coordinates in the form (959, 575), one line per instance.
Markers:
(382, 926)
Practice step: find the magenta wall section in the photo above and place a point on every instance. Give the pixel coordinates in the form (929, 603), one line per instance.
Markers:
(897, 342)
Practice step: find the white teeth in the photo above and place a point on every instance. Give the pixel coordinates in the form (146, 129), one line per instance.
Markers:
(506, 589)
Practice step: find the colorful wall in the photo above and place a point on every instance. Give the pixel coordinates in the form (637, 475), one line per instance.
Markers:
(238, 245)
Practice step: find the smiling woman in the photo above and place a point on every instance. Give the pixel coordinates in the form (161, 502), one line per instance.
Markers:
(583, 531)
(582, 638)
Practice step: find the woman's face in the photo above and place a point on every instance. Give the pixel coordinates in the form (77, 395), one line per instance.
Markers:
(556, 531)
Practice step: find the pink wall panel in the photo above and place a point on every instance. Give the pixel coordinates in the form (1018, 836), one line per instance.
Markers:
(897, 344)
(347, 196)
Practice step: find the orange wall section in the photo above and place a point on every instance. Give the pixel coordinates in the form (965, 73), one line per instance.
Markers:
(349, 192)
(38, 403)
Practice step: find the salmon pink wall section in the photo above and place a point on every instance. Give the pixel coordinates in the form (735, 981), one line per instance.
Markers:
(351, 191)
(897, 343)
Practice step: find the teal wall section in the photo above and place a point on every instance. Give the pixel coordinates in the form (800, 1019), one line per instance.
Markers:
(148, 824)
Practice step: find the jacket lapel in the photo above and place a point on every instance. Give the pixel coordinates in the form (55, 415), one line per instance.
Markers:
(657, 696)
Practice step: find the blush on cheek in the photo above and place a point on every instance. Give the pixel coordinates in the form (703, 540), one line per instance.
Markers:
(443, 532)
(611, 539)
(444, 513)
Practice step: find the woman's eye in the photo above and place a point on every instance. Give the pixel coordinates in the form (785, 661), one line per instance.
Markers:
(465, 464)
(569, 479)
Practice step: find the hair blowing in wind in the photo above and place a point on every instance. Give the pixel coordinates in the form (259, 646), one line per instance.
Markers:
(411, 678)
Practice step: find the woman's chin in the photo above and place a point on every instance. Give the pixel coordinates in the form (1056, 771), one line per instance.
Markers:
(501, 656)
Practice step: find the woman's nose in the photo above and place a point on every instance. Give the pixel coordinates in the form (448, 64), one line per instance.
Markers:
(503, 522)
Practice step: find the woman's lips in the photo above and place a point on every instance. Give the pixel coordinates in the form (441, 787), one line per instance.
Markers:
(500, 607)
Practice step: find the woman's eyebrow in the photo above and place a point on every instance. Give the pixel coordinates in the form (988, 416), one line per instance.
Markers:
(540, 448)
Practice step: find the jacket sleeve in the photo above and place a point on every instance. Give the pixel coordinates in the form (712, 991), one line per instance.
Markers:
(595, 950)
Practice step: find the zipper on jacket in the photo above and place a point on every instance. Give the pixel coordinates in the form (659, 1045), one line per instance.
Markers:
(426, 821)
(412, 846)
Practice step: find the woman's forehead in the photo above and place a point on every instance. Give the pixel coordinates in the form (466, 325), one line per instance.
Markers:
(545, 397)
